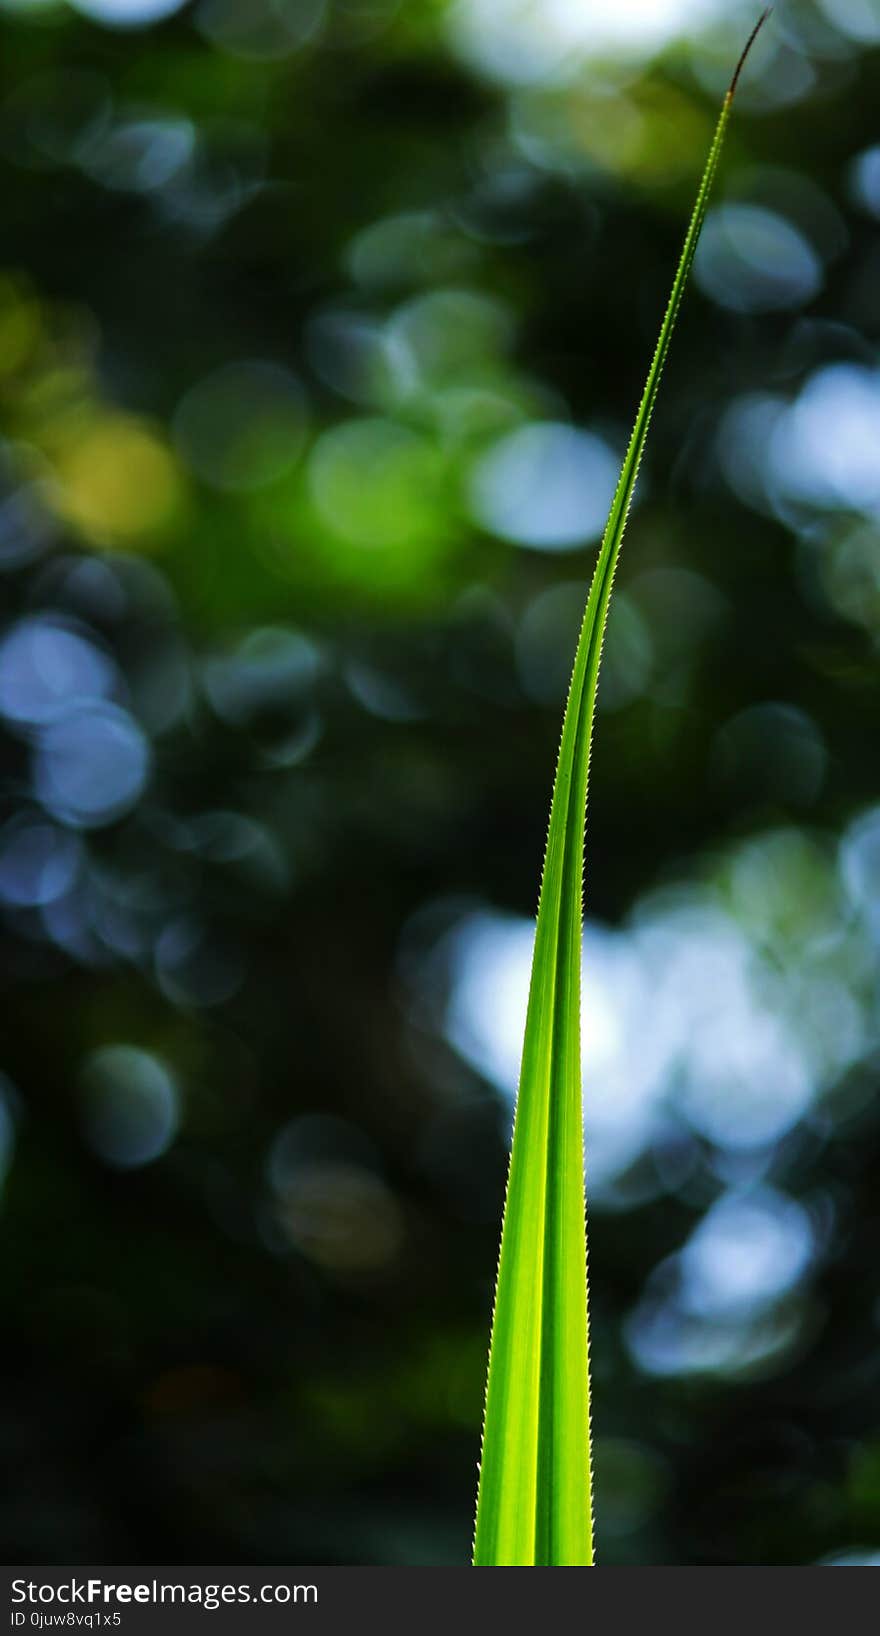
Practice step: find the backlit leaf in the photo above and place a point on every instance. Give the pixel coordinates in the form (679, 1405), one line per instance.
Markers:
(534, 1505)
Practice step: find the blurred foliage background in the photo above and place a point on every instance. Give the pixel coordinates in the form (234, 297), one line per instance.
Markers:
(322, 325)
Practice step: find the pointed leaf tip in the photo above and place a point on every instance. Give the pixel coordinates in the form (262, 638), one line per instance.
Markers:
(745, 51)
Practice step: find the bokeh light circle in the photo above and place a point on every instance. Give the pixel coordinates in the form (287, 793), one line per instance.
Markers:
(91, 765)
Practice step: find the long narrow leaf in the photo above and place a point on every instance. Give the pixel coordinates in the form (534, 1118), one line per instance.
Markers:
(534, 1505)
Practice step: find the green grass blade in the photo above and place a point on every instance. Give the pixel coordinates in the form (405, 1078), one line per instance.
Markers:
(534, 1505)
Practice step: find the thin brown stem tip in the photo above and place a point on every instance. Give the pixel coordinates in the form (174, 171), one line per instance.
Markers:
(747, 48)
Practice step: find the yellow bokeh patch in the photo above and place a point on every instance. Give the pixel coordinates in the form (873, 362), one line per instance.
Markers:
(118, 481)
